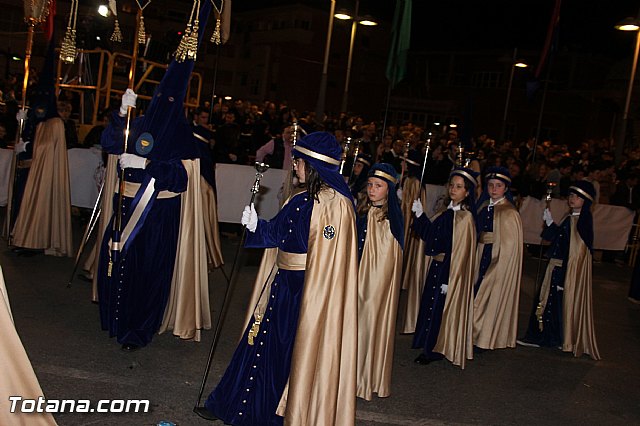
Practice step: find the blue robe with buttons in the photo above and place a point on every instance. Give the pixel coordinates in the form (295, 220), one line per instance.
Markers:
(133, 299)
(484, 222)
(438, 238)
(250, 390)
(560, 237)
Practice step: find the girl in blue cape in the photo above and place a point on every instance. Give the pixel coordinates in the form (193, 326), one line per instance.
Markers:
(563, 314)
(445, 319)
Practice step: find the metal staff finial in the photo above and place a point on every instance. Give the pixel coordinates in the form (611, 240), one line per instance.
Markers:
(345, 150)
(426, 155)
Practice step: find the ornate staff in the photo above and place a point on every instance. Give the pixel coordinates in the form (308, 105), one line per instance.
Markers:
(35, 12)
(345, 150)
(117, 225)
(460, 159)
(539, 307)
(426, 155)
(355, 158)
(404, 159)
(261, 168)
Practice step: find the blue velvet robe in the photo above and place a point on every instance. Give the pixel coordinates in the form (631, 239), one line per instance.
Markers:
(484, 221)
(438, 238)
(133, 299)
(560, 237)
(250, 390)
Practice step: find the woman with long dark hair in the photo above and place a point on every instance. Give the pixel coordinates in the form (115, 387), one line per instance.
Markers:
(297, 357)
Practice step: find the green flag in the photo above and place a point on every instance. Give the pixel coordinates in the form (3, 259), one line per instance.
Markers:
(400, 40)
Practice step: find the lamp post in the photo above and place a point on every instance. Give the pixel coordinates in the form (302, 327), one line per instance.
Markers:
(323, 80)
(354, 26)
(628, 24)
(514, 64)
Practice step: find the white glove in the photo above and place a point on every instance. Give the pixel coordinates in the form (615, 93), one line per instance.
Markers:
(560, 288)
(21, 115)
(21, 146)
(416, 207)
(399, 194)
(443, 288)
(548, 219)
(128, 100)
(250, 218)
(132, 161)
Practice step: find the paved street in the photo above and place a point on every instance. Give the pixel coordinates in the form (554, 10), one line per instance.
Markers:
(73, 358)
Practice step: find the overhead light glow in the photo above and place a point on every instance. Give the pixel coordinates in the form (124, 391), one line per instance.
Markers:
(103, 10)
(453, 125)
(342, 16)
(521, 65)
(368, 23)
(227, 98)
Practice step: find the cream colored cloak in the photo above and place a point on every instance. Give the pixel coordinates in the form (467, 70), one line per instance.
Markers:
(18, 377)
(495, 323)
(322, 382)
(579, 334)
(44, 219)
(378, 292)
(456, 329)
(414, 273)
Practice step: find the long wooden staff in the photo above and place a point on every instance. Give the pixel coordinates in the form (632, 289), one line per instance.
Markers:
(32, 21)
(117, 225)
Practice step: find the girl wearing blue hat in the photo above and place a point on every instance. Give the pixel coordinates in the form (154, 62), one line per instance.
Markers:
(444, 323)
(563, 314)
(296, 361)
(498, 265)
(380, 241)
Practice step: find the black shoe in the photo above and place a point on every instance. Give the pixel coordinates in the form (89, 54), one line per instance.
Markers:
(130, 347)
(204, 413)
(422, 359)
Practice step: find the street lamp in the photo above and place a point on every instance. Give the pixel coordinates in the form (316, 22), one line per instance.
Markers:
(365, 20)
(514, 64)
(628, 24)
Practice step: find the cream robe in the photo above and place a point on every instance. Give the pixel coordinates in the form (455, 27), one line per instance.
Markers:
(44, 219)
(378, 292)
(322, 382)
(456, 330)
(18, 378)
(414, 273)
(187, 311)
(577, 305)
(495, 322)
(210, 218)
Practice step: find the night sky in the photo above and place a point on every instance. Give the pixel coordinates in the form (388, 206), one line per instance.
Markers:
(585, 26)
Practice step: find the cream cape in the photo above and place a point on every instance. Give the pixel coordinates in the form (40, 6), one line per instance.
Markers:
(18, 377)
(44, 219)
(411, 191)
(187, 311)
(322, 382)
(456, 329)
(378, 292)
(414, 273)
(495, 323)
(210, 221)
(579, 334)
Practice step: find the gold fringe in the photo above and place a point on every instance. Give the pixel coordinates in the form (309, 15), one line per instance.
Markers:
(142, 35)
(117, 34)
(215, 38)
